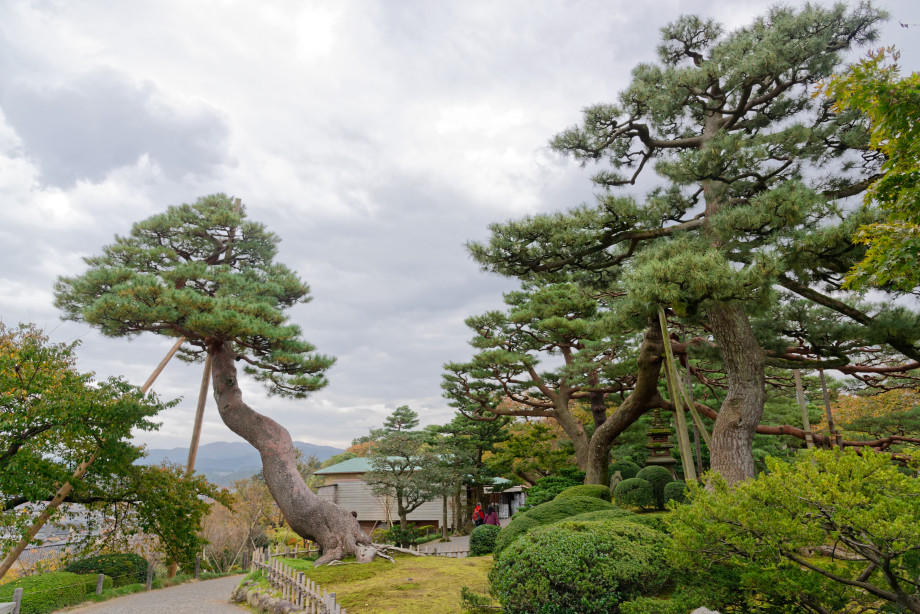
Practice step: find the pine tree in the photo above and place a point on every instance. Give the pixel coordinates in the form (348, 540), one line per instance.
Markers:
(206, 273)
(750, 169)
(402, 419)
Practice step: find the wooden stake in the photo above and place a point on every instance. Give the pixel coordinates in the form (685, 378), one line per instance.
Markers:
(199, 414)
(800, 397)
(673, 382)
(830, 416)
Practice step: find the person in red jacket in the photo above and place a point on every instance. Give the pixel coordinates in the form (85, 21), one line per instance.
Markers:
(478, 516)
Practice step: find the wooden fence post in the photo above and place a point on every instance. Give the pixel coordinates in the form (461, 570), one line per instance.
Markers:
(197, 566)
(17, 600)
(100, 579)
(149, 576)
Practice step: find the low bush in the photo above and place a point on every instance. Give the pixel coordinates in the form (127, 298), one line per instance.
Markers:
(482, 539)
(614, 513)
(546, 489)
(634, 492)
(547, 513)
(580, 568)
(676, 492)
(627, 469)
(124, 568)
(48, 592)
(598, 491)
(658, 477)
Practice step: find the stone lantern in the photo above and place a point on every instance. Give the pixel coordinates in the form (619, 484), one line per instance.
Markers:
(659, 445)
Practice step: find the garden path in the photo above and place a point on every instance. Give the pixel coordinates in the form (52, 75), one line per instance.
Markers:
(205, 597)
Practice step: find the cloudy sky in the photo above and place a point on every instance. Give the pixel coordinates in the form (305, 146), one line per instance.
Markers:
(375, 137)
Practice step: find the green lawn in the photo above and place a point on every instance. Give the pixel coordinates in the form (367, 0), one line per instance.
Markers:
(412, 585)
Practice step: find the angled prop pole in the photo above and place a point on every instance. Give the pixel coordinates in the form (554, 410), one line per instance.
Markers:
(66, 489)
(673, 382)
(800, 397)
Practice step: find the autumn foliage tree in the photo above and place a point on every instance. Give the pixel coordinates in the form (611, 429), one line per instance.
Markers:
(54, 417)
(206, 273)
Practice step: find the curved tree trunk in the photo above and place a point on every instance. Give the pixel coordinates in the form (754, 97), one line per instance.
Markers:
(332, 527)
(733, 434)
(643, 397)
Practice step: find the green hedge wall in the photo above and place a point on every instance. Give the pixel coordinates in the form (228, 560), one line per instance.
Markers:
(48, 592)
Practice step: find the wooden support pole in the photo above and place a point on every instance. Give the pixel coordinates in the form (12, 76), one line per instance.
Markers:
(800, 397)
(834, 435)
(673, 382)
(199, 414)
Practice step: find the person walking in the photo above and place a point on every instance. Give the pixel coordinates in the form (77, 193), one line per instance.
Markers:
(492, 516)
(478, 516)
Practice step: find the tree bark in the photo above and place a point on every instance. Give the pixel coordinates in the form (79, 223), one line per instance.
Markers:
(311, 517)
(643, 397)
(733, 434)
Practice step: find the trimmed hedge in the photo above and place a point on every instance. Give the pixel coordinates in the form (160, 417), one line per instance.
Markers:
(634, 492)
(615, 513)
(658, 477)
(546, 489)
(124, 568)
(547, 513)
(627, 469)
(598, 491)
(48, 592)
(482, 539)
(580, 568)
(675, 491)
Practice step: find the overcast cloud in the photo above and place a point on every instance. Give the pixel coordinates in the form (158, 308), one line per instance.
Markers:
(375, 137)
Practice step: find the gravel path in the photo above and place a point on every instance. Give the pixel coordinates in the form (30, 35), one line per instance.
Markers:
(207, 597)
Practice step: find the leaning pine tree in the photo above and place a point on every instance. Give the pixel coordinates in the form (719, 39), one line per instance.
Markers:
(206, 273)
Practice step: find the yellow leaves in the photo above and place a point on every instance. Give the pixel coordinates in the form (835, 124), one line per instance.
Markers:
(850, 408)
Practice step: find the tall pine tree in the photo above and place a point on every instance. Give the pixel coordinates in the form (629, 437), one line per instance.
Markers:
(750, 170)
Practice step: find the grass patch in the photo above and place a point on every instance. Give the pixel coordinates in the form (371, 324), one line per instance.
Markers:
(413, 585)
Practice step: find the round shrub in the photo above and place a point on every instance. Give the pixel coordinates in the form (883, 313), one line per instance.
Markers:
(657, 477)
(519, 525)
(627, 469)
(47, 592)
(599, 491)
(634, 492)
(124, 568)
(580, 568)
(615, 513)
(482, 539)
(675, 491)
(547, 513)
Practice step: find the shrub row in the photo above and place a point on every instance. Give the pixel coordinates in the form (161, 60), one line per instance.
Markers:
(48, 592)
(122, 568)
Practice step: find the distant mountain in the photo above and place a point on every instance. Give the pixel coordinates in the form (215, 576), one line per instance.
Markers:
(223, 462)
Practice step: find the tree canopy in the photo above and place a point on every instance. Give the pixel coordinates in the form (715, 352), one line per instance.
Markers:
(203, 272)
(746, 229)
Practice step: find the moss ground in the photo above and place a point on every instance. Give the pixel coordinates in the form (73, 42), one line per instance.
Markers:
(413, 585)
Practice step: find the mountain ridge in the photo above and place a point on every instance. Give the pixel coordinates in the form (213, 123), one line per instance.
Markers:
(223, 462)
